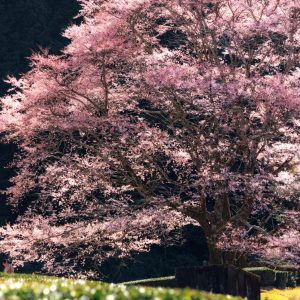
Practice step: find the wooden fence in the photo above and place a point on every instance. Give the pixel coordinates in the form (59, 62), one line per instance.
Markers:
(221, 280)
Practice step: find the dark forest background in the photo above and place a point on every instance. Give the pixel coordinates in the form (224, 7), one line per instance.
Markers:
(26, 26)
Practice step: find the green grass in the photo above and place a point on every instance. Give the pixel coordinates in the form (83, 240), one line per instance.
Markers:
(31, 287)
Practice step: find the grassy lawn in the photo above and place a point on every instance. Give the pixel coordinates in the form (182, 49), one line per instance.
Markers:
(31, 287)
(288, 294)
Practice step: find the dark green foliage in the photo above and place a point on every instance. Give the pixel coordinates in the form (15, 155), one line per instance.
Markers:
(279, 276)
(294, 274)
(281, 279)
(292, 280)
(267, 275)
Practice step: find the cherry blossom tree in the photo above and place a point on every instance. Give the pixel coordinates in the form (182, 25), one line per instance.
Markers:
(159, 113)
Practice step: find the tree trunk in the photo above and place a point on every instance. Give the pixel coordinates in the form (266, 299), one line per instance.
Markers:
(235, 258)
(215, 256)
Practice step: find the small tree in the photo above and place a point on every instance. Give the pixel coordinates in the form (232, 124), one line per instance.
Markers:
(159, 113)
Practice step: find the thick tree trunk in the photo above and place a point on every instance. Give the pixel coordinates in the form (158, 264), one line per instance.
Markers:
(218, 257)
(215, 256)
(235, 258)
